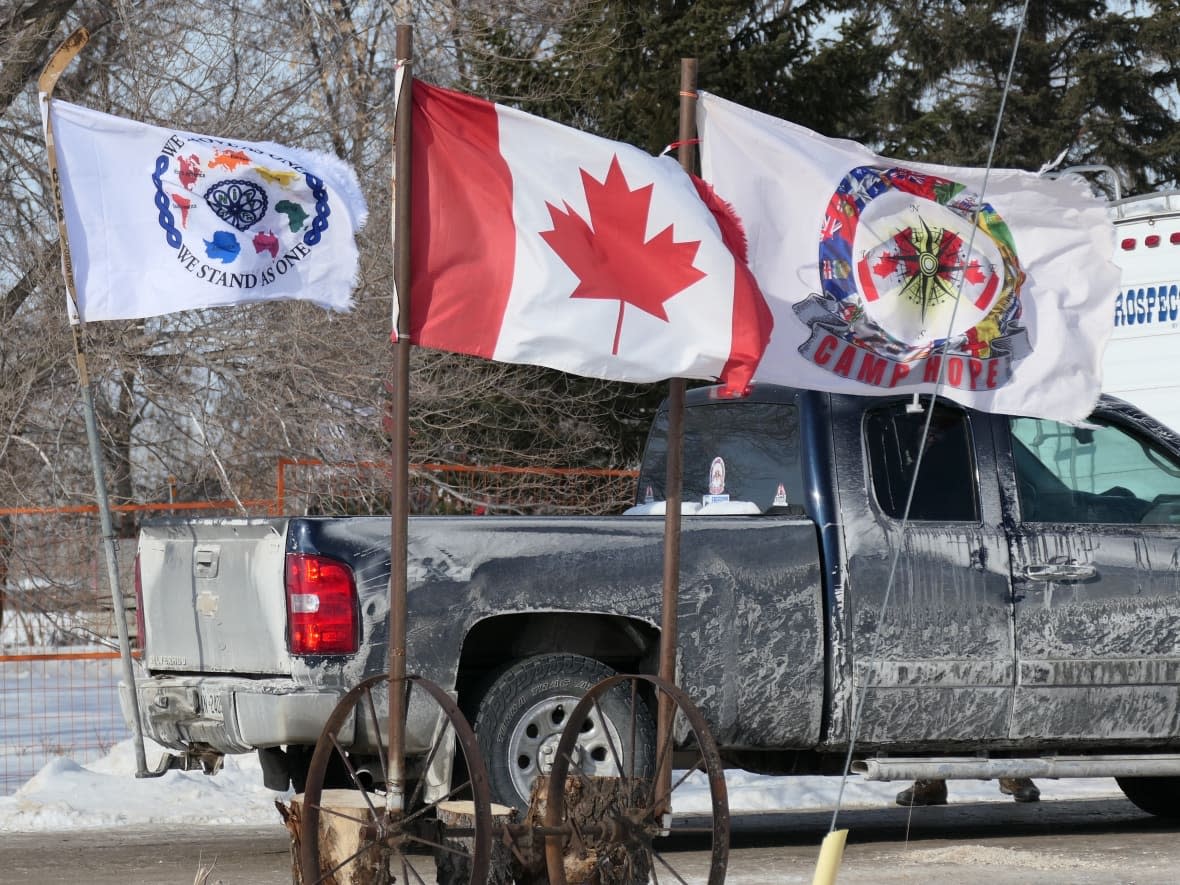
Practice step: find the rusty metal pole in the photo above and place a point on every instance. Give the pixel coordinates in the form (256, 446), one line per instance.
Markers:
(399, 519)
(673, 483)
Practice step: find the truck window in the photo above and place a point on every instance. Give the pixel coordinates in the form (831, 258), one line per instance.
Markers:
(1101, 473)
(946, 488)
(757, 442)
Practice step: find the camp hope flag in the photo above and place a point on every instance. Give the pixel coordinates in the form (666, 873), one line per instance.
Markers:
(161, 220)
(887, 276)
(533, 242)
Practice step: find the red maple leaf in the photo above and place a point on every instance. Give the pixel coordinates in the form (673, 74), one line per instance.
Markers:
(950, 253)
(886, 265)
(610, 254)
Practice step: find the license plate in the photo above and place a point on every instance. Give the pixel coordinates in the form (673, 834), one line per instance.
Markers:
(211, 705)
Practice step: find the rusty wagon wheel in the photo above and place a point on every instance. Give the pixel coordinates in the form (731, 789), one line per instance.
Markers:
(346, 791)
(612, 829)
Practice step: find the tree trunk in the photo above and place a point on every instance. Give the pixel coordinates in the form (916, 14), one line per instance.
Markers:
(453, 866)
(340, 836)
(591, 859)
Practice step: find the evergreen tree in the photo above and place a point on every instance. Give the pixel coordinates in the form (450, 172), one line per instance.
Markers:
(613, 67)
(1095, 80)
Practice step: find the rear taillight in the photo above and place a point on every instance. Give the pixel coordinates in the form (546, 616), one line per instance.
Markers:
(140, 629)
(321, 606)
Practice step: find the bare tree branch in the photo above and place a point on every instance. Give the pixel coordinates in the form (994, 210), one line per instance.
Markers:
(24, 39)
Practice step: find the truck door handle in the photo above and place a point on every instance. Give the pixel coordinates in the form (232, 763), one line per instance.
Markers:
(1059, 571)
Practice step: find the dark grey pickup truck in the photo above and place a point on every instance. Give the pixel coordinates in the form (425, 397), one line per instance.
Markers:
(1032, 625)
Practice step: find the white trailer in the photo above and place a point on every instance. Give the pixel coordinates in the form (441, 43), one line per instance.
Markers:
(1142, 360)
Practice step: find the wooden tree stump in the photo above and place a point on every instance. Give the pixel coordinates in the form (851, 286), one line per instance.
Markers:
(588, 860)
(340, 835)
(453, 867)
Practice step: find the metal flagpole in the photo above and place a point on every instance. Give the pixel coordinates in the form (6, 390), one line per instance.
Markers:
(399, 519)
(60, 59)
(673, 482)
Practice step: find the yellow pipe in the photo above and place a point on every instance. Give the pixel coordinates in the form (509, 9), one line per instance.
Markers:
(831, 852)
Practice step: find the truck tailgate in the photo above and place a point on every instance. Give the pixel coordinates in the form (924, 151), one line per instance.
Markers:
(213, 596)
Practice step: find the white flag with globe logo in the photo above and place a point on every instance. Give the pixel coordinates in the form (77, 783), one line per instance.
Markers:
(893, 277)
(161, 220)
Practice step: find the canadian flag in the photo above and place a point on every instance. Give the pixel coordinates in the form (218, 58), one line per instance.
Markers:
(532, 242)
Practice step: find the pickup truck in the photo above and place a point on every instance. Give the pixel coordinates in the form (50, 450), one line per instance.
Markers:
(1023, 621)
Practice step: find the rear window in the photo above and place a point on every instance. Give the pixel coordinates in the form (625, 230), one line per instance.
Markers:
(757, 444)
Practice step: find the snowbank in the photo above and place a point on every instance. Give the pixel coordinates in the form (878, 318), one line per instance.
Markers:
(65, 795)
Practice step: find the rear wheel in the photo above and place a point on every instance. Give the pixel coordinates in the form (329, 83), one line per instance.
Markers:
(523, 713)
(1155, 795)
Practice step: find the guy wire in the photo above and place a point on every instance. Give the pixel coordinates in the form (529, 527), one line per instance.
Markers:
(858, 708)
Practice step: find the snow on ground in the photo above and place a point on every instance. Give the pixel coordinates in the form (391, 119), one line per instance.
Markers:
(29, 632)
(65, 795)
(759, 793)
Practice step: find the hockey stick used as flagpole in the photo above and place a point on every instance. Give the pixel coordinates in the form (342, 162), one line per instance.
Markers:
(400, 451)
(58, 62)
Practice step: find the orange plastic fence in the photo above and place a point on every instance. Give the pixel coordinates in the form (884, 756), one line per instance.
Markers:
(56, 705)
(309, 486)
(255, 504)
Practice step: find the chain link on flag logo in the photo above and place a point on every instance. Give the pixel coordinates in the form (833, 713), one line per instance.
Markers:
(238, 216)
(906, 282)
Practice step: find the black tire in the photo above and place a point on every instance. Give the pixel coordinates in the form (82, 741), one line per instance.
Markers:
(1155, 795)
(521, 716)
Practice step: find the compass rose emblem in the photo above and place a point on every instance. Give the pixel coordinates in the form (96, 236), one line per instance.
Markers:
(927, 259)
(911, 263)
